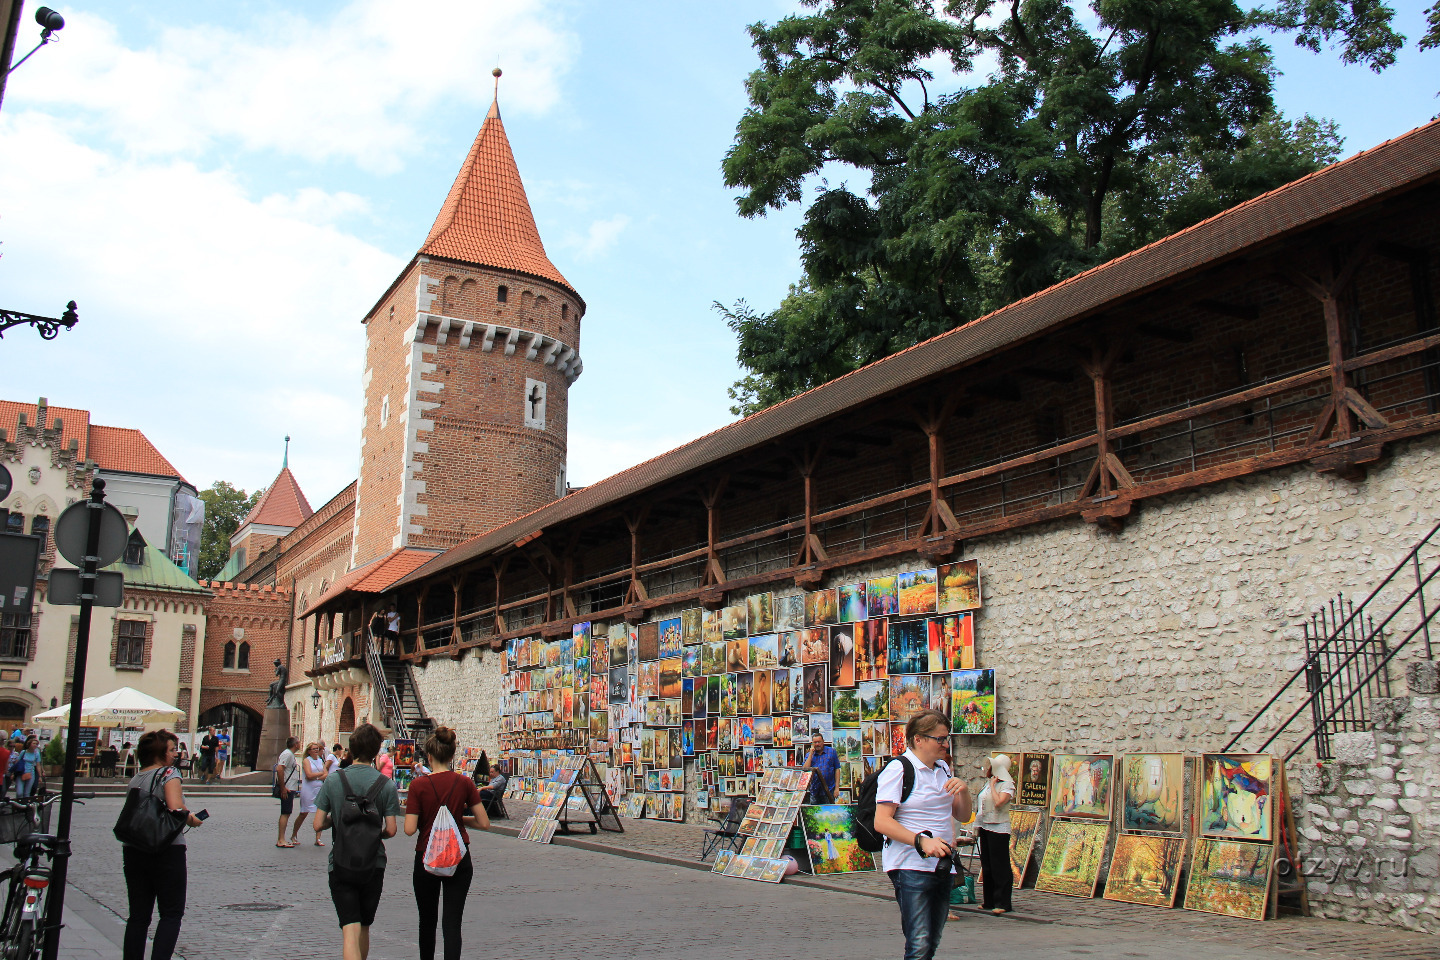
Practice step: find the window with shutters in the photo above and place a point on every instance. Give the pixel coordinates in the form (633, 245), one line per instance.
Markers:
(130, 644)
(15, 637)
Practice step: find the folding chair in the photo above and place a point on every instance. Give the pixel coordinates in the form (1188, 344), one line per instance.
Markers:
(495, 808)
(727, 833)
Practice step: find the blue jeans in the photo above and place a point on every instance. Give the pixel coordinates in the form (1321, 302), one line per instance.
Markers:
(924, 899)
(25, 788)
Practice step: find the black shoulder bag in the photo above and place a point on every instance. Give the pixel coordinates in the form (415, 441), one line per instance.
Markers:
(146, 822)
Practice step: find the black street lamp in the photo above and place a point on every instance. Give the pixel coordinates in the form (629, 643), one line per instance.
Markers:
(49, 20)
(49, 327)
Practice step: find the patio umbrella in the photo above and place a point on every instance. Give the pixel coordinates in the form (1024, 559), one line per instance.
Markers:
(124, 707)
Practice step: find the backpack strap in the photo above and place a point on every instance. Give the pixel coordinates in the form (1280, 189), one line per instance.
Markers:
(907, 779)
(376, 788)
(344, 783)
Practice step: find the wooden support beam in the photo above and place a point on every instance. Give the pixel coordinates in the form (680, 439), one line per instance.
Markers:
(635, 592)
(1108, 470)
(714, 574)
(499, 574)
(811, 550)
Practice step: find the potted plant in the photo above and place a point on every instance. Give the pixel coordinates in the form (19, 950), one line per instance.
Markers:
(52, 758)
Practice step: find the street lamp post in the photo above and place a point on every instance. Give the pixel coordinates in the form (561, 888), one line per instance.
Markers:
(49, 327)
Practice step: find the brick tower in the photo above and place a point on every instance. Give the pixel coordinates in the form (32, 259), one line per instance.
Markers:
(469, 359)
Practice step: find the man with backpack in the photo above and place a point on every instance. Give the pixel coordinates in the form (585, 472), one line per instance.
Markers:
(913, 803)
(362, 807)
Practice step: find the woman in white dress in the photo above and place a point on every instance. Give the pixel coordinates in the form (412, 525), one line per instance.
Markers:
(313, 770)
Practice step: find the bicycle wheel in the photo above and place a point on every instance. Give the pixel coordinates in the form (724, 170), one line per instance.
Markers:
(19, 940)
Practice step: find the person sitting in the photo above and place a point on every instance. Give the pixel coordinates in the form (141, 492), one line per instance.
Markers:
(108, 758)
(491, 784)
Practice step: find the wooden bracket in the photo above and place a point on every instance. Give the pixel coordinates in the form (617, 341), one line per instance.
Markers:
(635, 593)
(710, 497)
(811, 549)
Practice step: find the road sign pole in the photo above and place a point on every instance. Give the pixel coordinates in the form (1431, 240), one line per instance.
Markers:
(56, 907)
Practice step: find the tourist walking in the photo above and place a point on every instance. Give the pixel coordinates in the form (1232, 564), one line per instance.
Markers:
(359, 881)
(287, 785)
(157, 878)
(919, 829)
(208, 746)
(313, 770)
(993, 821)
(442, 788)
(25, 768)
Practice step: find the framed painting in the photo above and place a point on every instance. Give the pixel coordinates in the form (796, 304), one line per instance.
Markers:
(823, 724)
(737, 654)
(1024, 826)
(733, 621)
(779, 692)
(905, 697)
(764, 731)
(712, 657)
(648, 635)
(713, 685)
(897, 739)
(916, 589)
(670, 637)
(692, 626)
(744, 693)
(958, 587)
(972, 702)
(830, 839)
(782, 727)
(821, 607)
(669, 678)
(687, 696)
(1152, 791)
(845, 707)
(1145, 870)
(942, 696)
(814, 644)
(874, 699)
(765, 652)
(787, 648)
(1073, 853)
(729, 692)
(714, 628)
(842, 656)
(955, 634)
(619, 637)
(1033, 788)
(882, 597)
(908, 646)
(847, 743)
(690, 661)
(816, 688)
(852, 602)
(1081, 785)
(871, 650)
(760, 696)
(1235, 795)
(800, 729)
(760, 612)
(1230, 877)
(789, 612)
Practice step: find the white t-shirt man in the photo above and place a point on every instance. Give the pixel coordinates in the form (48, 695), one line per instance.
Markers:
(290, 769)
(927, 808)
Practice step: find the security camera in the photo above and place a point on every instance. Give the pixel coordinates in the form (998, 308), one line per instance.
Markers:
(49, 20)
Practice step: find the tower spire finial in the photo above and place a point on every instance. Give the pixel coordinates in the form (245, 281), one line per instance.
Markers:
(496, 74)
(287, 453)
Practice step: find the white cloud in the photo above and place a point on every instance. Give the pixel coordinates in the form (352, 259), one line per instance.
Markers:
(599, 238)
(352, 87)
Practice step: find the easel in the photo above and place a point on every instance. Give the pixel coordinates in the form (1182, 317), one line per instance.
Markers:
(603, 814)
(1286, 849)
(573, 772)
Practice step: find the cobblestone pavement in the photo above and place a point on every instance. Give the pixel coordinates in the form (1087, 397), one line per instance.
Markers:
(249, 900)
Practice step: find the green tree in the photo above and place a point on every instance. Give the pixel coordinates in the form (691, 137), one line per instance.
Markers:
(225, 507)
(1095, 132)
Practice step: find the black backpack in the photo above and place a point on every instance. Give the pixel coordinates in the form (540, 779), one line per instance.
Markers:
(357, 836)
(871, 840)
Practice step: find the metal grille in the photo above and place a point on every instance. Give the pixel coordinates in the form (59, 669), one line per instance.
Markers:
(1346, 662)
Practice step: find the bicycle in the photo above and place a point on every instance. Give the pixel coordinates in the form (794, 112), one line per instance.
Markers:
(25, 922)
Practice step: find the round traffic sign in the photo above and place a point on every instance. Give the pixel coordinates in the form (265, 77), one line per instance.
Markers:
(6, 482)
(72, 528)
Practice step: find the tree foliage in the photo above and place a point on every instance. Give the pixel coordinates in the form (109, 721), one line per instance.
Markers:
(1097, 130)
(225, 507)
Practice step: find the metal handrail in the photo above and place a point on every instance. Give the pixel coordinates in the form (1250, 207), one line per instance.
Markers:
(1412, 557)
(389, 701)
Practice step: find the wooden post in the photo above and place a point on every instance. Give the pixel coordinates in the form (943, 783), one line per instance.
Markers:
(457, 582)
(812, 551)
(635, 594)
(1108, 471)
(939, 518)
(499, 572)
(714, 574)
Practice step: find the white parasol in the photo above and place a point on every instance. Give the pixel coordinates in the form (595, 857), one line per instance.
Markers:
(126, 707)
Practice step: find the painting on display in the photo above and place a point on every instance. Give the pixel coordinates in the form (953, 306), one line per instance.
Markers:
(619, 644)
(692, 626)
(671, 638)
(619, 685)
(852, 602)
(897, 739)
(847, 743)
(1230, 877)
(917, 592)
(1235, 792)
(941, 697)
(727, 623)
(956, 640)
(909, 647)
(765, 652)
(972, 703)
(787, 648)
(760, 612)
(1033, 789)
(1024, 825)
(648, 635)
(1145, 870)
(712, 657)
(830, 839)
(669, 671)
(842, 656)
(816, 688)
(906, 698)
(744, 692)
(1073, 851)
(814, 644)
(690, 661)
(713, 686)
(874, 699)
(882, 597)
(760, 698)
(959, 586)
(823, 724)
(797, 691)
(1152, 790)
(737, 654)
(1081, 784)
(789, 612)
(845, 708)
(871, 650)
(821, 607)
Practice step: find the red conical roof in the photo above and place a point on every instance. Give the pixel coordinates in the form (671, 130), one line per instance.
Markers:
(486, 219)
(282, 504)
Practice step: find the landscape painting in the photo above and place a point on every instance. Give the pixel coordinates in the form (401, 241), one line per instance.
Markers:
(1081, 784)
(789, 612)
(882, 597)
(959, 586)
(1024, 826)
(692, 626)
(1073, 852)
(906, 697)
(1152, 791)
(972, 704)
(830, 839)
(821, 607)
(852, 602)
(760, 612)
(1230, 877)
(917, 592)
(1145, 870)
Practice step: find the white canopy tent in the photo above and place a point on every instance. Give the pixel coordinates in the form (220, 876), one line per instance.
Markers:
(126, 707)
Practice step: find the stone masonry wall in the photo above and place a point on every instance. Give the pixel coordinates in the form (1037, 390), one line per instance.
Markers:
(1369, 822)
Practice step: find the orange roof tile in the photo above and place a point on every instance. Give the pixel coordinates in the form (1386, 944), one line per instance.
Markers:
(486, 219)
(377, 575)
(112, 448)
(282, 505)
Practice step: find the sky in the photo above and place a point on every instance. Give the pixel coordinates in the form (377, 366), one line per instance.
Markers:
(226, 189)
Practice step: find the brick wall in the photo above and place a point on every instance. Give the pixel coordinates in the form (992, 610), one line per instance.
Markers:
(263, 614)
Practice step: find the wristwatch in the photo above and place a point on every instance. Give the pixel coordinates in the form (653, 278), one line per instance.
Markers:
(922, 833)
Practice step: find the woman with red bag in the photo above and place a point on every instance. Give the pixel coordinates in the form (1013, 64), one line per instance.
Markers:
(444, 865)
